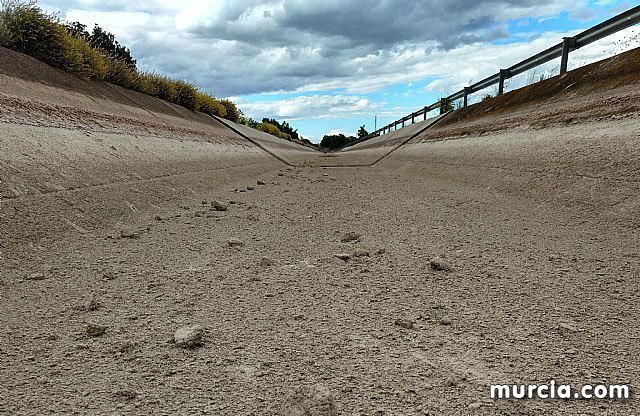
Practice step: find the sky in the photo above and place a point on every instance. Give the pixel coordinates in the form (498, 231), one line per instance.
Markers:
(331, 66)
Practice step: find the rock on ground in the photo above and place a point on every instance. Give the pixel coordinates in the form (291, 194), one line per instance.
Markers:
(314, 400)
(405, 323)
(95, 330)
(128, 234)
(218, 206)
(350, 236)
(188, 336)
(439, 264)
(234, 242)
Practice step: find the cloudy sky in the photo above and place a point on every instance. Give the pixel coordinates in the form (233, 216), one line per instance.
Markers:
(333, 65)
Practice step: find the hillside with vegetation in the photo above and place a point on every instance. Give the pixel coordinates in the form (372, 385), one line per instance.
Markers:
(95, 54)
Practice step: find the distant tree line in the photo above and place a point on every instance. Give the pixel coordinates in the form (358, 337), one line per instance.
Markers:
(337, 141)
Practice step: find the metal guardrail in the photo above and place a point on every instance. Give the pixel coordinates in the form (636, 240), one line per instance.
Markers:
(561, 50)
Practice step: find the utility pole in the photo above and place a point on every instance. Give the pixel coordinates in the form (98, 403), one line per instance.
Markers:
(375, 123)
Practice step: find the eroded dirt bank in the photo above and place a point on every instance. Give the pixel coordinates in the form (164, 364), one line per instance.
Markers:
(537, 222)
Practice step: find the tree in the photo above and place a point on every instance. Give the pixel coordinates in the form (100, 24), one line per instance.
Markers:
(283, 127)
(336, 141)
(232, 111)
(246, 120)
(78, 30)
(362, 132)
(445, 105)
(105, 41)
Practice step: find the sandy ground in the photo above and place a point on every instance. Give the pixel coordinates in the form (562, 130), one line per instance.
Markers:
(109, 243)
(537, 291)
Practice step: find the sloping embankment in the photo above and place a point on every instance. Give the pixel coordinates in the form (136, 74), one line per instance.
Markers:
(69, 148)
(572, 139)
(600, 92)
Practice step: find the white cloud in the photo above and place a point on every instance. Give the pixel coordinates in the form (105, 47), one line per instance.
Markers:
(244, 47)
(240, 47)
(312, 106)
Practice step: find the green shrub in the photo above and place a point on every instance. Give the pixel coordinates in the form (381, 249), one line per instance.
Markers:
(209, 105)
(232, 110)
(83, 60)
(25, 28)
(119, 73)
(283, 127)
(156, 85)
(164, 87)
(272, 130)
(186, 94)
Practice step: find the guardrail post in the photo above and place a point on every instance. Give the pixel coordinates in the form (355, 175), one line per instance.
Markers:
(467, 91)
(504, 75)
(568, 44)
(402, 121)
(413, 118)
(425, 112)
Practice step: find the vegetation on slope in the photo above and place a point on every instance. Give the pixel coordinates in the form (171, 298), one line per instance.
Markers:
(96, 55)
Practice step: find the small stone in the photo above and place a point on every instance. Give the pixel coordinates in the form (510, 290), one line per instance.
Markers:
(343, 256)
(439, 264)
(280, 174)
(242, 190)
(128, 394)
(565, 327)
(265, 262)
(234, 242)
(218, 206)
(405, 323)
(251, 188)
(128, 234)
(361, 253)
(445, 321)
(381, 251)
(157, 218)
(233, 202)
(188, 336)
(261, 183)
(36, 276)
(314, 400)
(350, 236)
(126, 347)
(95, 330)
(476, 405)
